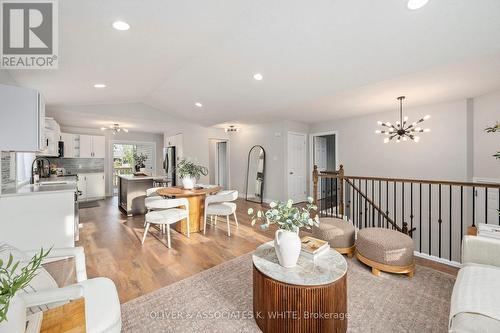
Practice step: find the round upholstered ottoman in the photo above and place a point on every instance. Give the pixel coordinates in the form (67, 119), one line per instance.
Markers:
(385, 250)
(337, 232)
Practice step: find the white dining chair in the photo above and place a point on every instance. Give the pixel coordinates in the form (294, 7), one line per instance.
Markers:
(151, 196)
(221, 204)
(166, 212)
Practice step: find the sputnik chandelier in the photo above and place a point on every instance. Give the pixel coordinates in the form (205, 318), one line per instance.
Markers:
(402, 130)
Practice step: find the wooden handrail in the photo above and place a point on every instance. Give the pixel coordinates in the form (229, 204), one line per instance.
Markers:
(330, 174)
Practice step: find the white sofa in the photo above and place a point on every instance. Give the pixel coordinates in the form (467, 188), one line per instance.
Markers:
(475, 302)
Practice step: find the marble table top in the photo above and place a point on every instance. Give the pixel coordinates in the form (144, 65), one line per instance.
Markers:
(324, 269)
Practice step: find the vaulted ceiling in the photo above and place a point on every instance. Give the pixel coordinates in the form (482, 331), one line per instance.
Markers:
(320, 59)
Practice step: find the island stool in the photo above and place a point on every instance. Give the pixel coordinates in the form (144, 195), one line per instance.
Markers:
(339, 233)
(385, 250)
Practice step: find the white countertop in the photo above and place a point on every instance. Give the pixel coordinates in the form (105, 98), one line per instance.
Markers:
(132, 177)
(30, 189)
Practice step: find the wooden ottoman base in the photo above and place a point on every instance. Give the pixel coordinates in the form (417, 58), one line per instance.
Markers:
(377, 267)
(282, 307)
(346, 250)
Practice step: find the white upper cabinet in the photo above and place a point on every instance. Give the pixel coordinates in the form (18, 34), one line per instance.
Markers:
(22, 119)
(83, 146)
(51, 137)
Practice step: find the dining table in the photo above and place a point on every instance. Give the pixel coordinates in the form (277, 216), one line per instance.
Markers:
(196, 198)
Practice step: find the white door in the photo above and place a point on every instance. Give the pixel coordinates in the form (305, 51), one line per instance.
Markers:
(85, 146)
(297, 167)
(98, 147)
(95, 185)
(320, 154)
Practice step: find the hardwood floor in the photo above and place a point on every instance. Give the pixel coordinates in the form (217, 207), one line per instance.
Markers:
(113, 249)
(112, 243)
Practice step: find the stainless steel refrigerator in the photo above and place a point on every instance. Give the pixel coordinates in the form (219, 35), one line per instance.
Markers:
(169, 161)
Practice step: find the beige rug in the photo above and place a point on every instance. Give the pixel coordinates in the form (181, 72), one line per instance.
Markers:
(220, 300)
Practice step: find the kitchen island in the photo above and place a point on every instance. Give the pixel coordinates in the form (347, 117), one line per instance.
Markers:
(132, 192)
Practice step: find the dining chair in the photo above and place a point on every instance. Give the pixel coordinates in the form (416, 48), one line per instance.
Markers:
(166, 212)
(151, 196)
(221, 204)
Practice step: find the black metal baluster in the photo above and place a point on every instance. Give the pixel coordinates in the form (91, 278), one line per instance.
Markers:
(439, 221)
(486, 205)
(373, 206)
(473, 206)
(451, 198)
(420, 217)
(430, 217)
(411, 207)
(461, 213)
(395, 209)
(331, 198)
(402, 203)
(387, 203)
(360, 204)
(379, 200)
(336, 197)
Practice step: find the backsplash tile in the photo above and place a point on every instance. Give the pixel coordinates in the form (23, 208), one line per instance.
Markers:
(8, 170)
(79, 165)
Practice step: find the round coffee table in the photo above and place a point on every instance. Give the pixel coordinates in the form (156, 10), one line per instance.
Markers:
(310, 297)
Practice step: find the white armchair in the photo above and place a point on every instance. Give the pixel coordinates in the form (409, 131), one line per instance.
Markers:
(474, 302)
(102, 306)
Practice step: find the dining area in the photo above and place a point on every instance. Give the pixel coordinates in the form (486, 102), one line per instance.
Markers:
(187, 211)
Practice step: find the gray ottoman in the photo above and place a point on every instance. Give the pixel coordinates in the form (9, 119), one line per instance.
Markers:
(337, 232)
(385, 250)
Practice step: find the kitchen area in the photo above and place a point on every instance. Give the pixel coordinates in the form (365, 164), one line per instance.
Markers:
(47, 175)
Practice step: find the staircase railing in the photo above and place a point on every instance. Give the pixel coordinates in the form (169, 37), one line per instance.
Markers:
(436, 214)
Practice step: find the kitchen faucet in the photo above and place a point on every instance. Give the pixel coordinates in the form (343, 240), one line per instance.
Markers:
(32, 179)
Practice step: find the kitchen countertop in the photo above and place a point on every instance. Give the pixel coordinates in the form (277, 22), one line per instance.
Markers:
(31, 189)
(132, 177)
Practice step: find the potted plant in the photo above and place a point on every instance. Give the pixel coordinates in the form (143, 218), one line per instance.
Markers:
(13, 278)
(289, 219)
(190, 172)
(139, 160)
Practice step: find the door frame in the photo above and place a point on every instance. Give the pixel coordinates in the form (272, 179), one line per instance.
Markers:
(311, 153)
(305, 161)
(228, 158)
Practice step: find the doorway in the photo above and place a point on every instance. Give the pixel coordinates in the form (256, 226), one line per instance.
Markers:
(219, 163)
(296, 166)
(323, 154)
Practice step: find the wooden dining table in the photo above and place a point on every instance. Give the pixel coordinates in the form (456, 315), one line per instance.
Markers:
(196, 198)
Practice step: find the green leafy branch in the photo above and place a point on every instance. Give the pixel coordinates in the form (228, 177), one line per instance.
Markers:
(11, 280)
(494, 129)
(187, 168)
(286, 215)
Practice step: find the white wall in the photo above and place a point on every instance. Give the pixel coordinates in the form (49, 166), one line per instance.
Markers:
(486, 114)
(130, 136)
(440, 154)
(6, 78)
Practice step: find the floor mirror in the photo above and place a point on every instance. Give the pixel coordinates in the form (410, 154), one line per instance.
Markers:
(255, 174)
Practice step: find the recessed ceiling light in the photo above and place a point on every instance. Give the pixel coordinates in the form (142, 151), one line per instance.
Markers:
(198, 104)
(99, 85)
(258, 76)
(416, 4)
(120, 25)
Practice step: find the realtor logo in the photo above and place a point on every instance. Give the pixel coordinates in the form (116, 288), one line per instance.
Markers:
(29, 34)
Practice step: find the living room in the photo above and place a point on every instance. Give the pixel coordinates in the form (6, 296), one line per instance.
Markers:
(246, 166)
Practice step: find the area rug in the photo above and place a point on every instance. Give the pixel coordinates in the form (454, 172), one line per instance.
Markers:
(220, 300)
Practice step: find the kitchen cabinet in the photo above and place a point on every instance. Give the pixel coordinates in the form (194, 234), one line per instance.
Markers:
(83, 146)
(92, 146)
(51, 137)
(92, 186)
(22, 119)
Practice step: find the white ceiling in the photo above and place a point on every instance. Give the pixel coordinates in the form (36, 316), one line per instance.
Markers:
(320, 60)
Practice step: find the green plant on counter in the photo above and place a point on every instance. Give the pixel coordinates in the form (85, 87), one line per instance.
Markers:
(140, 159)
(187, 169)
(13, 278)
(286, 215)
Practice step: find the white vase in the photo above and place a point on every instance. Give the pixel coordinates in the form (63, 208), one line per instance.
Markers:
(188, 183)
(287, 246)
(16, 317)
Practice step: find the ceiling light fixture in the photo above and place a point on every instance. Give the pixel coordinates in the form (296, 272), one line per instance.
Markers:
(258, 76)
(99, 85)
(416, 4)
(198, 104)
(401, 131)
(231, 128)
(120, 25)
(115, 128)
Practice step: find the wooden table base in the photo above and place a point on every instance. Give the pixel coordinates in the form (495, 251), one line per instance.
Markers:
(196, 212)
(281, 307)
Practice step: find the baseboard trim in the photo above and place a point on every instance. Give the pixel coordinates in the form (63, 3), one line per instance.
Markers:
(437, 259)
